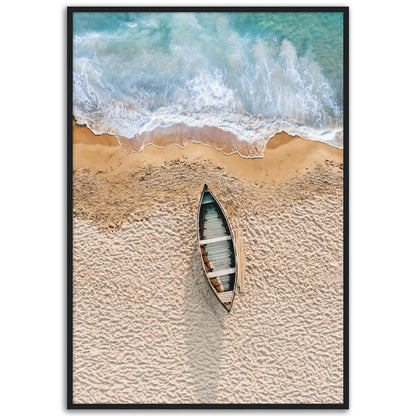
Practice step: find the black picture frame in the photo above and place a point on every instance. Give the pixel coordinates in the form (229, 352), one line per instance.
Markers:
(69, 373)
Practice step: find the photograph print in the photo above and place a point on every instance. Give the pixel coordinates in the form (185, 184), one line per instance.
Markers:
(208, 207)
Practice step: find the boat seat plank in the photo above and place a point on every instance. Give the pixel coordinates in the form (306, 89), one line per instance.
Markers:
(221, 265)
(225, 296)
(221, 272)
(210, 236)
(215, 240)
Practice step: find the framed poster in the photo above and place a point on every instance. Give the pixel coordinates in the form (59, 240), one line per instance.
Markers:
(207, 207)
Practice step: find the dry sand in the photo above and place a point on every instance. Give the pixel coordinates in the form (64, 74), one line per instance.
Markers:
(147, 328)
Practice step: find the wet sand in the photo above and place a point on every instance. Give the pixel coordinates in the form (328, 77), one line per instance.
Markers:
(147, 328)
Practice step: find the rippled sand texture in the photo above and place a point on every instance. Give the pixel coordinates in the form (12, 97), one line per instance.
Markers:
(148, 329)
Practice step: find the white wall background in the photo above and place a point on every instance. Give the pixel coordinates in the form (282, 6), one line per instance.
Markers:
(33, 188)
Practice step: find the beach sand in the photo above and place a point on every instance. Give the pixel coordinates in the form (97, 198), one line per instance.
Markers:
(147, 327)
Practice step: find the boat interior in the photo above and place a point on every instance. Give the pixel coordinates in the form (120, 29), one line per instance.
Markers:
(217, 248)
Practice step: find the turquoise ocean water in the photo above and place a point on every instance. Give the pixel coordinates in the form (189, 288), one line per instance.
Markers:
(249, 74)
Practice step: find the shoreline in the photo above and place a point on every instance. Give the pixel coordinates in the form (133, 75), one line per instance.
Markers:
(284, 156)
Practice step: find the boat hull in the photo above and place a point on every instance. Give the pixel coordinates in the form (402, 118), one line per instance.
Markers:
(217, 248)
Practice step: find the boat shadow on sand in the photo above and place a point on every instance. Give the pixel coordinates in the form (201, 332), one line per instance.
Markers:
(204, 320)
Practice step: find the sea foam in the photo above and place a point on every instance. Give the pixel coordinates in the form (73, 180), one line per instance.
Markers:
(181, 74)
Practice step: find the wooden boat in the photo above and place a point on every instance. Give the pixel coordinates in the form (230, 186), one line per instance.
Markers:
(216, 244)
